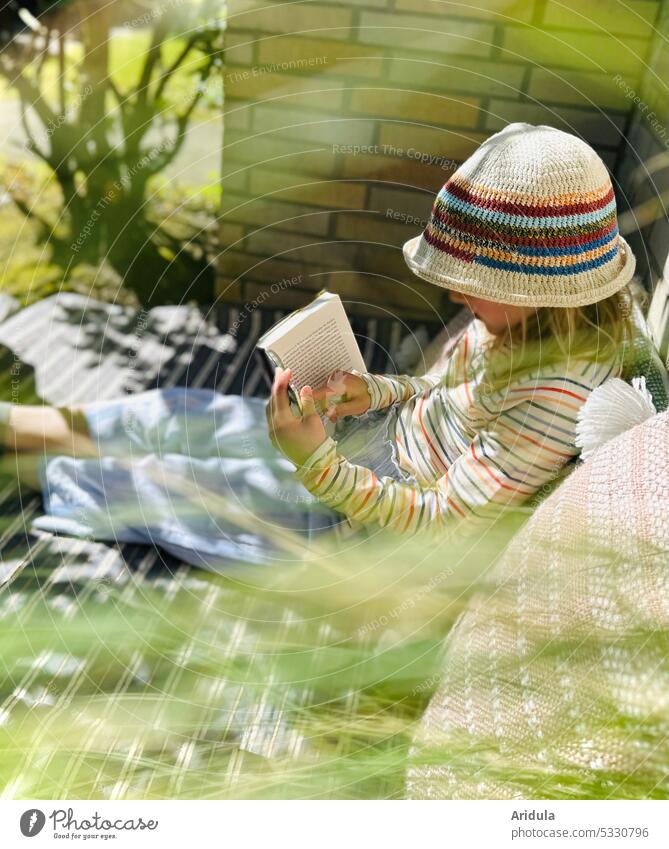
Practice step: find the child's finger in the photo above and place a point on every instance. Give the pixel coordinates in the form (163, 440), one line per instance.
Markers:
(347, 408)
(281, 402)
(337, 382)
(276, 383)
(271, 423)
(320, 399)
(282, 377)
(323, 398)
(307, 400)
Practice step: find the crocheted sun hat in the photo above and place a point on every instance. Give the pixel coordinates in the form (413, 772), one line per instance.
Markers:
(529, 218)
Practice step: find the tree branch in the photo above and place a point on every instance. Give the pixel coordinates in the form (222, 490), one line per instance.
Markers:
(29, 93)
(30, 213)
(153, 55)
(61, 72)
(161, 162)
(116, 91)
(44, 55)
(164, 78)
(32, 143)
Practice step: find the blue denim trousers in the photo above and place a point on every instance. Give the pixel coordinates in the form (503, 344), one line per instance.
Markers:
(194, 472)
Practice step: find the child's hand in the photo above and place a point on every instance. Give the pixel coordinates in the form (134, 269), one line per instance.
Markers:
(297, 437)
(344, 394)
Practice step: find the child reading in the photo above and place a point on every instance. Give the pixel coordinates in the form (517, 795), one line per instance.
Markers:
(524, 233)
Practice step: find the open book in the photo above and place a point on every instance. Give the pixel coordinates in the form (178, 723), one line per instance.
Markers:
(313, 342)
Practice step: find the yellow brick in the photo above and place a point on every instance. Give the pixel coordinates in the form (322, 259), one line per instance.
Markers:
(238, 48)
(411, 105)
(237, 116)
(359, 292)
(400, 296)
(590, 51)
(312, 127)
(236, 264)
(596, 127)
(284, 154)
(292, 297)
(397, 169)
(285, 216)
(234, 181)
(374, 227)
(227, 289)
(339, 57)
(300, 18)
(384, 260)
(301, 247)
(326, 193)
(319, 92)
(436, 34)
(628, 19)
(496, 10)
(457, 74)
(363, 294)
(447, 144)
(240, 10)
(577, 87)
(399, 204)
(230, 233)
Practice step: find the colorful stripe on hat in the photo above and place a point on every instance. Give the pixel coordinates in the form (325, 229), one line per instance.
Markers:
(560, 235)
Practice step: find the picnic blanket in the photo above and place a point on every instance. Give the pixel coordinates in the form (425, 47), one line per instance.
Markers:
(69, 349)
(182, 670)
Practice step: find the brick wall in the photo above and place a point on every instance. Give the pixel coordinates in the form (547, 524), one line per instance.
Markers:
(343, 119)
(643, 174)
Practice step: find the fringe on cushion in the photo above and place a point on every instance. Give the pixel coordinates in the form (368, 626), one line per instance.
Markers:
(611, 409)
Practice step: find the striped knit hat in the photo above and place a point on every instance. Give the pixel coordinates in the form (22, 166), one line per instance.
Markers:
(530, 219)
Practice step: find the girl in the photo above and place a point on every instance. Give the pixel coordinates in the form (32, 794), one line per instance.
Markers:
(524, 233)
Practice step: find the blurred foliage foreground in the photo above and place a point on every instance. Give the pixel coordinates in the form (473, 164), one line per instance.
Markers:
(106, 95)
(309, 680)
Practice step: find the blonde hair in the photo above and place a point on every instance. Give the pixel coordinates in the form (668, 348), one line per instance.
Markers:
(599, 332)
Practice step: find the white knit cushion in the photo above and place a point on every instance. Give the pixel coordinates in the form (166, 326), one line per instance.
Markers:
(555, 681)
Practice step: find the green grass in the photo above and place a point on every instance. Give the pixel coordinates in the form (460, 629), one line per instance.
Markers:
(26, 270)
(304, 681)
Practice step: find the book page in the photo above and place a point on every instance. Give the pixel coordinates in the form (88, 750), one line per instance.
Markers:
(315, 356)
(316, 345)
(291, 323)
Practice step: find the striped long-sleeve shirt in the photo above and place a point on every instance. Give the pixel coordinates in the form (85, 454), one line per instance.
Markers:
(468, 450)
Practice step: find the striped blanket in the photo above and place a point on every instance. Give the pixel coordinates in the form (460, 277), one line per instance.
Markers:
(87, 614)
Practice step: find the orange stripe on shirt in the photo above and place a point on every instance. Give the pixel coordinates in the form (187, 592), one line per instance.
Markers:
(495, 478)
(450, 501)
(464, 367)
(322, 477)
(368, 495)
(412, 507)
(427, 438)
